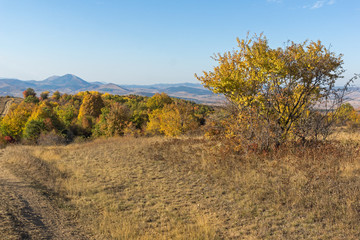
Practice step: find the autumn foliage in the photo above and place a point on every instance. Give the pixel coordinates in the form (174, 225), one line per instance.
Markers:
(92, 114)
(275, 90)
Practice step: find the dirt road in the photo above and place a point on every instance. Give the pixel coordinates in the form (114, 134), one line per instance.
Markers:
(27, 214)
(7, 107)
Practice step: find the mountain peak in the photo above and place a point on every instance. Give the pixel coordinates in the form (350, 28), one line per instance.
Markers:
(68, 81)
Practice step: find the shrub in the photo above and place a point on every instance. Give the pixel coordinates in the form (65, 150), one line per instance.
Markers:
(31, 99)
(273, 89)
(172, 120)
(33, 129)
(51, 138)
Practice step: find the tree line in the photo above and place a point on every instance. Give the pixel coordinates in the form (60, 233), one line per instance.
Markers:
(92, 114)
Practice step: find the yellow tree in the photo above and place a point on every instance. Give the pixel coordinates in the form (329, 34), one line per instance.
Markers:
(13, 124)
(91, 105)
(173, 119)
(159, 100)
(275, 86)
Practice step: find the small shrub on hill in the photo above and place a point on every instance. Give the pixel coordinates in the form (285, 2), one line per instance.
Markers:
(51, 138)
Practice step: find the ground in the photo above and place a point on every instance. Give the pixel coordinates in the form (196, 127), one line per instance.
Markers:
(181, 188)
(27, 214)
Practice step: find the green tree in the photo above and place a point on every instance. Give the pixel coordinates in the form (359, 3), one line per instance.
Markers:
(113, 120)
(29, 92)
(31, 99)
(33, 129)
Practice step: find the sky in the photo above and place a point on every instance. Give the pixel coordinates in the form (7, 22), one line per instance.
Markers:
(160, 41)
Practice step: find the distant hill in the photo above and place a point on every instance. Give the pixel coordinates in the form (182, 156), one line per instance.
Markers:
(72, 84)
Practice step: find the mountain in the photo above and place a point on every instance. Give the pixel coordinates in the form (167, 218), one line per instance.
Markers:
(67, 81)
(72, 84)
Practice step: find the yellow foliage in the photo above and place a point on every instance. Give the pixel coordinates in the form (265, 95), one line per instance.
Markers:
(91, 105)
(172, 120)
(278, 84)
(14, 122)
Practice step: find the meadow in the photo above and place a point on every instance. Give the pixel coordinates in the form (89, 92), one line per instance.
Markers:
(194, 188)
(279, 161)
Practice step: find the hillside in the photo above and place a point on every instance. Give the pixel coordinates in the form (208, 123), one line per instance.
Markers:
(192, 188)
(72, 84)
(5, 103)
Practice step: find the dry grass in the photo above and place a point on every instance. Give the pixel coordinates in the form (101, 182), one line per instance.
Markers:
(189, 188)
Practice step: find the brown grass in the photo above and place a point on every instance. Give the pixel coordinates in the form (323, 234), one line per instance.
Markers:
(189, 188)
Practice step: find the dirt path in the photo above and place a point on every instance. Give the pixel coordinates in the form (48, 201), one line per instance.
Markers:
(7, 107)
(26, 214)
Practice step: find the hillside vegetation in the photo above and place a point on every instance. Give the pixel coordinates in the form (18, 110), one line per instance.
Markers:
(63, 118)
(280, 161)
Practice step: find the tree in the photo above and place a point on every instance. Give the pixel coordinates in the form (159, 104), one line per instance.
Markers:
(159, 100)
(173, 119)
(272, 89)
(33, 129)
(67, 113)
(45, 113)
(56, 95)
(113, 120)
(347, 113)
(30, 96)
(14, 122)
(91, 105)
(31, 99)
(44, 95)
(29, 92)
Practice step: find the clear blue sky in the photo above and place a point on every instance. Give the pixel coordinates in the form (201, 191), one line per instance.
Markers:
(163, 41)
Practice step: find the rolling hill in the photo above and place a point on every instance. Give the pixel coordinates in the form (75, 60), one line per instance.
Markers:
(72, 84)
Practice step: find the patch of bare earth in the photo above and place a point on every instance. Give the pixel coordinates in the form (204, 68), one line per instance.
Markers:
(5, 104)
(27, 214)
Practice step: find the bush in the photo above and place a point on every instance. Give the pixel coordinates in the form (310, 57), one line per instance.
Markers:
(33, 129)
(31, 99)
(272, 90)
(51, 138)
(173, 119)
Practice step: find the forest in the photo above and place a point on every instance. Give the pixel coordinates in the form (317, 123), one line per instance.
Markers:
(64, 118)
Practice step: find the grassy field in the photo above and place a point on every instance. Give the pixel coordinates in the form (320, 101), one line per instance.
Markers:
(191, 188)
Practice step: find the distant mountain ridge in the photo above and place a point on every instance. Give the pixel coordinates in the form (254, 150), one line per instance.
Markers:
(72, 84)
